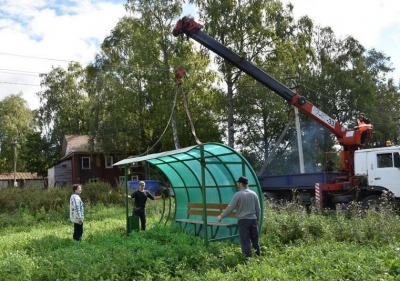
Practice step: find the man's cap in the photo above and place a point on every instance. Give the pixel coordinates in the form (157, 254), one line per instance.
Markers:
(243, 180)
(142, 183)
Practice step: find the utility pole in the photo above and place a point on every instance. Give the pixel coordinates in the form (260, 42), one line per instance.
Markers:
(15, 143)
(299, 140)
(298, 130)
(272, 153)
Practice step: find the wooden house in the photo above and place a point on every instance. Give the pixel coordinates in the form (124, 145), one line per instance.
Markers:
(23, 179)
(82, 163)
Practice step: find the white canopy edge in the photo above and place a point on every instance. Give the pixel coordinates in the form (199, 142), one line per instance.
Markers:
(131, 159)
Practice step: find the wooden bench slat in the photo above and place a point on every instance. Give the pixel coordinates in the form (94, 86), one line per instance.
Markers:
(211, 210)
(208, 223)
(200, 212)
(208, 213)
(190, 221)
(219, 206)
(221, 223)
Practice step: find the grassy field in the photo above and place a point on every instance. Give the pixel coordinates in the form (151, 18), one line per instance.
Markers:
(296, 245)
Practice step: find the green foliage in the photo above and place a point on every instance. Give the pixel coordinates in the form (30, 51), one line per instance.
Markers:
(293, 223)
(251, 29)
(128, 98)
(133, 92)
(64, 106)
(32, 205)
(35, 154)
(16, 265)
(32, 199)
(100, 192)
(297, 244)
(16, 123)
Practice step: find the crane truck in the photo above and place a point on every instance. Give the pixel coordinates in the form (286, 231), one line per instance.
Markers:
(364, 174)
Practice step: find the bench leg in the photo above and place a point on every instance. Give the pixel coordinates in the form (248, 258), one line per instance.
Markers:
(180, 225)
(214, 233)
(230, 230)
(197, 232)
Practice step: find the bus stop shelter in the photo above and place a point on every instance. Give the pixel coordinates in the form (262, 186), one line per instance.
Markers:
(205, 173)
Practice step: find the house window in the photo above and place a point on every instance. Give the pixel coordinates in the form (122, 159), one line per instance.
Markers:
(134, 177)
(85, 162)
(93, 180)
(109, 161)
(122, 179)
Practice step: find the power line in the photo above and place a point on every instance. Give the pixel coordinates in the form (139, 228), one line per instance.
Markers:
(16, 73)
(41, 58)
(16, 70)
(23, 84)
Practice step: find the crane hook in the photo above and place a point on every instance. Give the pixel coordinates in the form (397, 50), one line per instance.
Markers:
(179, 73)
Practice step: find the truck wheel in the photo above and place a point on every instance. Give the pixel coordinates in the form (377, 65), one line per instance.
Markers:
(371, 202)
(271, 196)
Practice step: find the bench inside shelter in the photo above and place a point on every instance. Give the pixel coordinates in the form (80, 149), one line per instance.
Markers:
(195, 217)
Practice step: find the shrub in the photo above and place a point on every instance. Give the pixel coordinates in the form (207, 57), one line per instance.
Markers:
(30, 205)
(296, 245)
(16, 265)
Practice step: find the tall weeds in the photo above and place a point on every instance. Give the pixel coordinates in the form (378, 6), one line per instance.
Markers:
(292, 223)
(297, 244)
(31, 205)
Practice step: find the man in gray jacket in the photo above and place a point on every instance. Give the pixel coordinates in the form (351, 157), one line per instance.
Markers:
(248, 212)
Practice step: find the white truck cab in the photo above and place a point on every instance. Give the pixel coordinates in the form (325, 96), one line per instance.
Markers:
(380, 167)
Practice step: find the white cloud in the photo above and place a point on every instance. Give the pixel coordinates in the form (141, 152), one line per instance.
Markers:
(375, 23)
(33, 30)
(72, 30)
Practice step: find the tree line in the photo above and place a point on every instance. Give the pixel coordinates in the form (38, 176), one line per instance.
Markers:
(128, 101)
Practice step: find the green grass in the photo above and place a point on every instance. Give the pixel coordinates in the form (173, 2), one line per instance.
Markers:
(296, 245)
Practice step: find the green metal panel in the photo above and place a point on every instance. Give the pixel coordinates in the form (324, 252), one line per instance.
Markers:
(221, 167)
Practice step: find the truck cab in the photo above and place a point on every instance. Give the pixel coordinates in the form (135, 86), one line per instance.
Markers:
(379, 168)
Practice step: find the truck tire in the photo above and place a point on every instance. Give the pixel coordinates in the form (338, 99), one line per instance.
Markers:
(270, 196)
(371, 202)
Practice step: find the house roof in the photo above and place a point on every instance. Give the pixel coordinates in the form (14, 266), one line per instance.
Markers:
(75, 143)
(19, 176)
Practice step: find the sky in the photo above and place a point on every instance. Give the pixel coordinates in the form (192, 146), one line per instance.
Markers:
(374, 23)
(38, 35)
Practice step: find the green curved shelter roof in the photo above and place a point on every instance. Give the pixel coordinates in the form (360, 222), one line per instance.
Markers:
(210, 169)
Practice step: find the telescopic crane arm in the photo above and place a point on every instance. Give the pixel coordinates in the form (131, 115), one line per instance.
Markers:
(349, 139)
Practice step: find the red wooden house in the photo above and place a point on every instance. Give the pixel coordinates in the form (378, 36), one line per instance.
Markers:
(82, 163)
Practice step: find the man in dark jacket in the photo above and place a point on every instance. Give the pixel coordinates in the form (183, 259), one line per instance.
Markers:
(139, 207)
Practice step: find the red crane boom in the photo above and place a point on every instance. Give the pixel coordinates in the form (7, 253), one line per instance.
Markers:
(349, 139)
